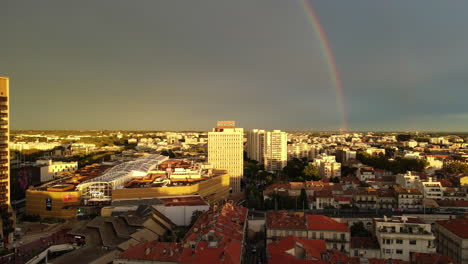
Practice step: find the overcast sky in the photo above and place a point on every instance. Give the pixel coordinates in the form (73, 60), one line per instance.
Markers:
(180, 64)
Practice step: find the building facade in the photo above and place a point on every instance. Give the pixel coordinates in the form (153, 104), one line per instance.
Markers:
(256, 145)
(400, 237)
(276, 150)
(226, 151)
(452, 239)
(6, 213)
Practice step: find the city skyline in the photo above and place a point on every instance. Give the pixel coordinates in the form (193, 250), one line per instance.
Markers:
(181, 66)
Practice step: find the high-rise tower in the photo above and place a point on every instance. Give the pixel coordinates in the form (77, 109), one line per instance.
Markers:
(6, 218)
(226, 152)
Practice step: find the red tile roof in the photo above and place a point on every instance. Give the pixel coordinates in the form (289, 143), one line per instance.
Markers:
(434, 258)
(222, 225)
(321, 222)
(457, 226)
(277, 250)
(285, 220)
(161, 251)
(452, 203)
(324, 194)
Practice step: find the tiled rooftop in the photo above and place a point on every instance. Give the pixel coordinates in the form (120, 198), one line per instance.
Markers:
(457, 226)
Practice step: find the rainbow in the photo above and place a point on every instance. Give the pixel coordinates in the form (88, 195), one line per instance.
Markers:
(332, 69)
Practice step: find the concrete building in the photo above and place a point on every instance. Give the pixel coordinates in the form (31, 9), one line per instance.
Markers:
(6, 214)
(401, 236)
(431, 189)
(226, 151)
(452, 239)
(276, 150)
(365, 173)
(282, 224)
(409, 198)
(179, 209)
(407, 180)
(53, 169)
(327, 166)
(256, 145)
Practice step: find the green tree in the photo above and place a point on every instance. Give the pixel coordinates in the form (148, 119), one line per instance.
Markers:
(359, 230)
(311, 172)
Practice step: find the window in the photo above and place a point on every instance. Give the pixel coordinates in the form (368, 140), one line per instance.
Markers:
(412, 242)
(388, 251)
(399, 251)
(343, 236)
(356, 253)
(335, 246)
(321, 235)
(399, 241)
(313, 235)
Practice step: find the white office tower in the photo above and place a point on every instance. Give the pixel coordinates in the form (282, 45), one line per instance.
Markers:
(225, 151)
(256, 145)
(276, 150)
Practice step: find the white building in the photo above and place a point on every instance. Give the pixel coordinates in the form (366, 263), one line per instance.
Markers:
(375, 151)
(53, 169)
(179, 209)
(276, 152)
(431, 189)
(407, 180)
(256, 145)
(327, 166)
(400, 236)
(225, 151)
(365, 173)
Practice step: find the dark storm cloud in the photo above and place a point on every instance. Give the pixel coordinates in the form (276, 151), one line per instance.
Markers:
(185, 64)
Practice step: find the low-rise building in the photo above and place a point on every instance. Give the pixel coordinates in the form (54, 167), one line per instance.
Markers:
(282, 224)
(401, 236)
(407, 180)
(409, 198)
(365, 198)
(365, 173)
(218, 236)
(431, 189)
(452, 239)
(386, 199)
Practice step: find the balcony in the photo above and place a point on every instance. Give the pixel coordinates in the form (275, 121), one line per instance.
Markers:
(3, 176)
(3, 107)
(3, 99)
(3, 138)
(3, 115)
(3, 146)
(415, 231)
(3, 183)
(3, 161)
(3, 130)
(3, 153)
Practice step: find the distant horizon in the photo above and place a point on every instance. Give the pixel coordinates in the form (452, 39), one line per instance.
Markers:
(201, 131)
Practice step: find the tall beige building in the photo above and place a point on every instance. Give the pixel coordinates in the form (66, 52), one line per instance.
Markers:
(6, 217)
(276, 150)
(256, 145)
(226, 151)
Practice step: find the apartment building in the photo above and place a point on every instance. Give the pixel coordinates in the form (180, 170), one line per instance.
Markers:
(276, 150)
(327, 166)
(452, 239)
(409, 198)
(431, 189)
(256, 145)
(225, 151)
(365, 198)
(401, 236)
(407, 180)
(282, 224)
(6, 214)
(365, 173)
